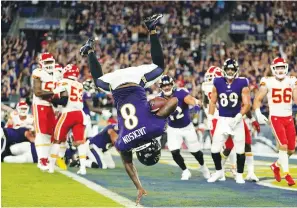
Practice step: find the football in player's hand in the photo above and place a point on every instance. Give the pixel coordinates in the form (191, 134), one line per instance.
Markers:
(157, 103)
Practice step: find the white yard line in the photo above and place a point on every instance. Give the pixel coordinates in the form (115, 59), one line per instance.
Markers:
(268, 184)
(99, 189)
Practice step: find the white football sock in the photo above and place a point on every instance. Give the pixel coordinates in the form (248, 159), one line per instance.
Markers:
(284, 160)
(249, 159)
(62, 149)
(82, 153)
(53, 156)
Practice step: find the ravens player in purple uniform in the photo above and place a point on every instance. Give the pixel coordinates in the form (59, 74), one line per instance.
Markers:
(17, 145)
(138, 127)
(181, 127)
(98, 154)
(233, 96)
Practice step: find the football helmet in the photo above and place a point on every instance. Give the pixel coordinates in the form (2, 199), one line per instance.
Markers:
(89, 86)
(211, 73)
(167, 85)
(233, 65)
(47, 62)
(71, 71)
(149, 153)
(58, 72)
(22, 108)
(279, 68)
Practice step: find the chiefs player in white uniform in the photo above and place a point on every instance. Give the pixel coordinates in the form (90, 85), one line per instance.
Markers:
(72, 117)
(20, 117)
(44, 117)
(281, 91)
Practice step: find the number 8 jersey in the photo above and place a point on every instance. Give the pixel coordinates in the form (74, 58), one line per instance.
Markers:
(279, 94)
(229, 95)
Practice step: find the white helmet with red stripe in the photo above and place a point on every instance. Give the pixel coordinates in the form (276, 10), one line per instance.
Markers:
(47, 62)
(279, 68)
(71, 71)
(211, 73)
(58, 72)
(22, 108)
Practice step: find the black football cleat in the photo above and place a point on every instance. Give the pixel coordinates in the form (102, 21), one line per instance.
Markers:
(150, 22)
(84, 50)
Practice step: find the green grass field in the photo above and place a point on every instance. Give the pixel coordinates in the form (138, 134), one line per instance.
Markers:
(26, 186)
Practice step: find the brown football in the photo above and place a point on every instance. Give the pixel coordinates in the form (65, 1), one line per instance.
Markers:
(157, 103)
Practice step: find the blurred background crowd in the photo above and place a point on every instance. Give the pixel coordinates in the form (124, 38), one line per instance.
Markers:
(257, 32)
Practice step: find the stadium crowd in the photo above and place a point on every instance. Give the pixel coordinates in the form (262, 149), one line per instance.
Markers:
(122, 41)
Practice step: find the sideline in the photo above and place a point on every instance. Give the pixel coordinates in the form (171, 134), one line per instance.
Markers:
(268, 184)
(99, 189)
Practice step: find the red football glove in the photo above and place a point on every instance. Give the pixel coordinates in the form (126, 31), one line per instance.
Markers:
(256, 126)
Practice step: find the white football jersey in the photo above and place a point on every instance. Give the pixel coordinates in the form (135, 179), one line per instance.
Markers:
(207, 89)
(17, 122)
(74, 90)
(48, 84)
(280, 94)
(130, 75)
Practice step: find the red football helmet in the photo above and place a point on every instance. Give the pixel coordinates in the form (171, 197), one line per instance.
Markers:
(22, 108)
(211, 73)
(71, 71)
(47, 62)
(58, 72)
(279, 67)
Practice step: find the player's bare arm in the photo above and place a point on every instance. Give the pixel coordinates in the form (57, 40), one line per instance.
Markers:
(127, 159)
(113, 135)
(213, 101)
(38, 91)
(190, 100)
(168, 108)
(257, 104)
(259, 97)
(246, 101)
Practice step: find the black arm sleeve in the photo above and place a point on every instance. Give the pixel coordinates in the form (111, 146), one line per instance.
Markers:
(156, 51)
(62, 101)
(94, 66)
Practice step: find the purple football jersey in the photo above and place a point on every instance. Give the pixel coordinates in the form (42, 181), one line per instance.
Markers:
(15, 136)
(136, 122)
(102, 139)
(229, 95)
(181, 116)
(86, 96)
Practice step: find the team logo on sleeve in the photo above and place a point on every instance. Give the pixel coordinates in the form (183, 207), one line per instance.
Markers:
(262, 84)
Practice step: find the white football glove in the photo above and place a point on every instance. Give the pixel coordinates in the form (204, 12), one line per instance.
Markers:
(236, 120)
(209, 122)
(260, 117)
(106, 114)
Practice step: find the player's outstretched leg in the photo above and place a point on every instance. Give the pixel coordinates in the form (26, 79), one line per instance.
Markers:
(94, 65)
(156, 48)
(186, 175)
